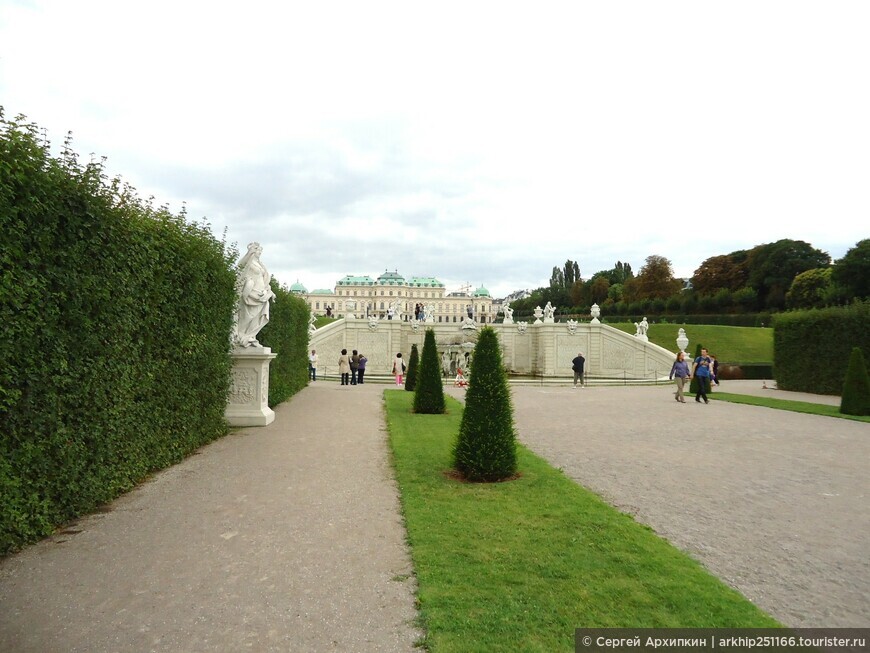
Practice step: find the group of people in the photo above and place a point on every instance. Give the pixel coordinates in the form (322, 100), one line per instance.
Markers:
(705, 369)
(352, 367)
(419, 312)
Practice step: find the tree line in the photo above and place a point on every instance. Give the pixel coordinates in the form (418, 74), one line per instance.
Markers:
(786, 274)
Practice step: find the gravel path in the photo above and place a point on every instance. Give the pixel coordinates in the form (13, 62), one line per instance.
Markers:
(777, 504)
(281, 538)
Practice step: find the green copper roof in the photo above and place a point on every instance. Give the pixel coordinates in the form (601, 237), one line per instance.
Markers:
(425, 282)
(481, 292)
(351, 280)
(391, 279)
(298, 287)
(322, 291)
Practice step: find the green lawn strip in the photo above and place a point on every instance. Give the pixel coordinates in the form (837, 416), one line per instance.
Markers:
(517, 566)
(787, 404)
(729, 344)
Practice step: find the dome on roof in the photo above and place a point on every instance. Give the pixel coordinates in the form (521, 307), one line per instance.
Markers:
(391, 278)
(298, 287)
(481, 292)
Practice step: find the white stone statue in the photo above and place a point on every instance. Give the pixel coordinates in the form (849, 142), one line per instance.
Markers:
(595, 312)
(549, 312)
(397, 311)
(469, 323)
(642, 327)
(311, 327)
(508, 314)
(373, 322)
(252, 285)
(522, 326)
(430, 313)
(572, 326)
(538, 314)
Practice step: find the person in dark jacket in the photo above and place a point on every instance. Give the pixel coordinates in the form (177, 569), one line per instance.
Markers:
(354, 367)
(361, 370)
(578, 365)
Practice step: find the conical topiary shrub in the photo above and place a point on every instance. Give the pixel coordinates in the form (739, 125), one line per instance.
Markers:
(856, 386)
(411, 374)
(429, 395)
(486, 449)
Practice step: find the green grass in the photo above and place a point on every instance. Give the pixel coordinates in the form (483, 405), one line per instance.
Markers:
(517, 566)
(787, 404)
(729, 344)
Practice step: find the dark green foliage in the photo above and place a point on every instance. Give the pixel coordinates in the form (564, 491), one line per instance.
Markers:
(852, 272)
(413, 365)
(856, 387)
(811, 348)
(287, 335)
(429, 395)
(114, 355)
(486, 447)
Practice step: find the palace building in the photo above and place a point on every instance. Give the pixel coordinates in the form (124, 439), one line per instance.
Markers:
(364, 296)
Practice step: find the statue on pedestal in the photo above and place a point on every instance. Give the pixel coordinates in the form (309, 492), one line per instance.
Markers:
(549, 312)
(252, 285)
(538, 314)
(642, 327)
(508, 314)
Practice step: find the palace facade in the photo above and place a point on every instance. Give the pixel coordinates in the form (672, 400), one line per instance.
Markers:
(364, 296)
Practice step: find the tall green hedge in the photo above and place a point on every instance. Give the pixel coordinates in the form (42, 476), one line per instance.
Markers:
(811, 349)
(287, 335)
(115, 320)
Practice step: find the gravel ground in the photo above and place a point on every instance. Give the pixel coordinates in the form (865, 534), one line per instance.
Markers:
(281, 538)
(774, 503)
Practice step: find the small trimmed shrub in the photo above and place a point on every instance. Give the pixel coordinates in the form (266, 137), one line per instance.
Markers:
(429, 395)
(856, 387)
(413, 364)
(486, 448)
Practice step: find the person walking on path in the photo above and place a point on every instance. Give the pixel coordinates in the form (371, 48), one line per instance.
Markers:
(312, 365)
(399, 368)
(578, 365)
(354, 367)
(680, 371)
(344, 367)
(361, 370)
(702, 373)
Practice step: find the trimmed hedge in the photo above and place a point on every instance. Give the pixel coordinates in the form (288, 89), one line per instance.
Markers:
(413, 365)
(287, 335)
(486, 449)
(429, 394)
(116, 319)
(856, 387)
(811, 349)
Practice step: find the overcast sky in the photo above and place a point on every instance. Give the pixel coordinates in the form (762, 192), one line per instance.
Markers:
(478, 142)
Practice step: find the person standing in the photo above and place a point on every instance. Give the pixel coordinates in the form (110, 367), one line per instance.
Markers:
(578, 365)
(702, 373)
(312, 365)
(680, 372)
(354, 367)
(399, 368)
(344, 367)
(714, 372)
(361, 370)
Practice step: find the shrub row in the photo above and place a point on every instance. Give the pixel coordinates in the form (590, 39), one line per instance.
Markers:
(811, 349)
(114, 356)
(287, 335)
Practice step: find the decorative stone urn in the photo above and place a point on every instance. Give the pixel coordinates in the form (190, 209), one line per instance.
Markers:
(595, 312)
(682, 340)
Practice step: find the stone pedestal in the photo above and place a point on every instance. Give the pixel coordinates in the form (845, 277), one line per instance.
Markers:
(248, 401)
